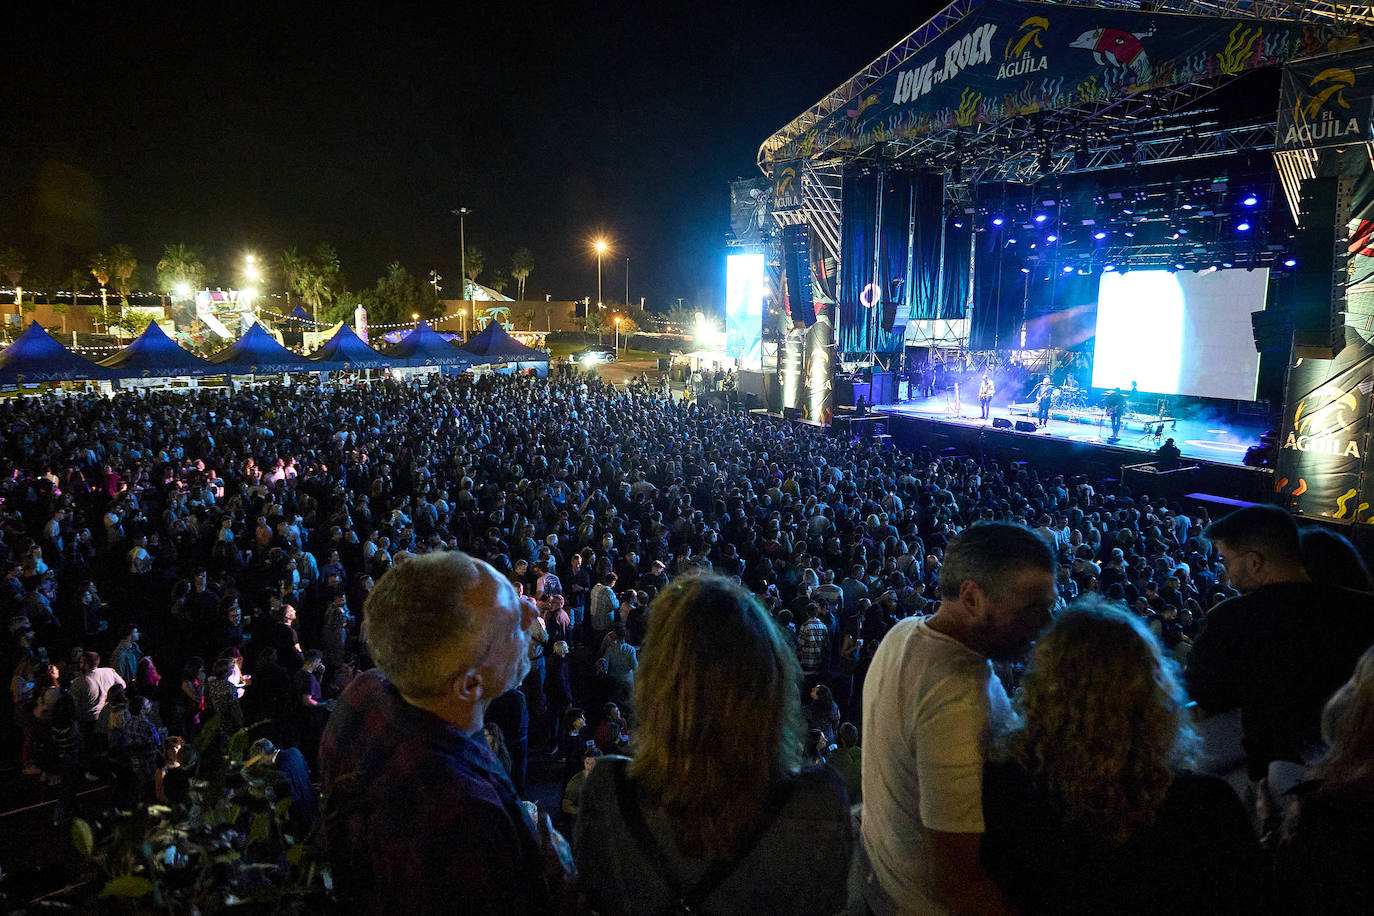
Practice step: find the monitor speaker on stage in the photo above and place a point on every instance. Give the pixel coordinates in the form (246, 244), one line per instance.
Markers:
(1001, 423)
(1318, 306)
(1025, 426)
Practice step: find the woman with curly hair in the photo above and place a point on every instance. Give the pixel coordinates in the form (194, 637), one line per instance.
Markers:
(1090, 809)
(714, 813)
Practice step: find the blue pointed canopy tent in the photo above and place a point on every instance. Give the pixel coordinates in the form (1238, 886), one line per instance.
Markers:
(346, 351)
(35, 356)
(425, 347)
(155, 355)
(258, 353)
(494, 345)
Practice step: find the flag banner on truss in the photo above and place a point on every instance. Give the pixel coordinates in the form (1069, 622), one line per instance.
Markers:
(1008, 59)
(787, 185)
(1326, 102)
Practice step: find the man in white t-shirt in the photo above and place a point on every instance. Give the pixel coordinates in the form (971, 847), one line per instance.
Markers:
(931, 704)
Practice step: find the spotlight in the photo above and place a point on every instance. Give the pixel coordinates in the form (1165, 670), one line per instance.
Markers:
(1051, 237)
(1291, 262)
(958, 224)
(997, 221)
(1227, 264)
(1068, 269)
(1025, 270)
(1109, 268)
(1187, 206)
(1179, 265)
(1242, 226)
(1040, 217)
(1250, 200)
(1100, 235)
(1129, 233)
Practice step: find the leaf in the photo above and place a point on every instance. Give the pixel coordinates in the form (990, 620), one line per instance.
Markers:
(127, 886)
(82, 837)
(282, 808)
(260, 828)
(238, 744)
(294, 854)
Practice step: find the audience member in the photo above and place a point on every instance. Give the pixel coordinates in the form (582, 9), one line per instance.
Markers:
(712, 813)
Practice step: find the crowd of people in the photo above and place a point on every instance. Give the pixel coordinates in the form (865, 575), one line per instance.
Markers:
(771, 623)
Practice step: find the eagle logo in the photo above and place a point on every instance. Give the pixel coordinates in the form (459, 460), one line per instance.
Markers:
(1325, 86)
(1326, 410)
(1029, 34)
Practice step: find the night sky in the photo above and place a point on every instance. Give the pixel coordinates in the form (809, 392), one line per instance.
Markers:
(258, 128)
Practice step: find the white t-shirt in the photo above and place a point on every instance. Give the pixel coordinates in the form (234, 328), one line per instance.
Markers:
(930, 707)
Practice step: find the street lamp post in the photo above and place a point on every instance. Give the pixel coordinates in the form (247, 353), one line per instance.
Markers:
(627, 282)
(617, 332)
(461, 212)
(600, 250)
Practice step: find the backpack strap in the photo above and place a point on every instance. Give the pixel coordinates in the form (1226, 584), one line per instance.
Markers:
(689, 899)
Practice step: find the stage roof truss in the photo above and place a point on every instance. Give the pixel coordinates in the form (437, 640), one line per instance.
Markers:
(1317, 11)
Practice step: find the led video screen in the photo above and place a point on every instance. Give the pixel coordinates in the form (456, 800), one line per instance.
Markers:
(744, 309)
(1179, 332)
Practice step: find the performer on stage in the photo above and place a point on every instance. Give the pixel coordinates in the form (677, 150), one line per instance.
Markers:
(985, 393)
(1116, 409)
(1044, 394)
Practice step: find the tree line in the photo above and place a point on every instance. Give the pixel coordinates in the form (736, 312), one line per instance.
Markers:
(312, 278)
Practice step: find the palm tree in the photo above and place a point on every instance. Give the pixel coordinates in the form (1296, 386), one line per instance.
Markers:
(474, 261)
(292, 267)
(12, 266)
(498, 281)
(320, 283)
(102, 268)
(181, 265)
(122, 265)
(521, 265)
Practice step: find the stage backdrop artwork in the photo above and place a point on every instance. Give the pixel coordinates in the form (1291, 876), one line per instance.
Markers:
(749, 210)
(1006, 59)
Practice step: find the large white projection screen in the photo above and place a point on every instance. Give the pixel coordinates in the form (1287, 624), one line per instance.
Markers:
(1179, 333)
(744, 309)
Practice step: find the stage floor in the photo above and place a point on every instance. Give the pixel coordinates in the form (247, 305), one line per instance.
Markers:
(1204, 437)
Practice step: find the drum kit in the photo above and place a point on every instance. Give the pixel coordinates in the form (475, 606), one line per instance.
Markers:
(1071, 398)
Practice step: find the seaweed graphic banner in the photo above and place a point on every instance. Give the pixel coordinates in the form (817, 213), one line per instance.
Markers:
(1009, 59)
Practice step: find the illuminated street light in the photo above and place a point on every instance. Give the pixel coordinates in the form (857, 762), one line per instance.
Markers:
(600, 250)
(415, 317)
(617, 333)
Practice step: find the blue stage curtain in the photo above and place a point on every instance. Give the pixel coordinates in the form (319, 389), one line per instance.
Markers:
(999, 292)
(892, 259)
(929, 203)
(857, 238)
(954, 292)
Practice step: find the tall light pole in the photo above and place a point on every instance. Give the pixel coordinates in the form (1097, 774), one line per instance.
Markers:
(617, 331)
(600, 250)
(627, 281)
(461, 212)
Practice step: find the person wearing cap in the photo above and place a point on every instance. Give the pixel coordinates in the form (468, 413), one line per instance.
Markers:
(655, 578)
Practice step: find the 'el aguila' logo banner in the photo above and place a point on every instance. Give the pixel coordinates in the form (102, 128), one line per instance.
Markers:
(1322, 452)
(1323, 104)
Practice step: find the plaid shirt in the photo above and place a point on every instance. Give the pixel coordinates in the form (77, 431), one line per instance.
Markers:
(811, 645)
(421, 818)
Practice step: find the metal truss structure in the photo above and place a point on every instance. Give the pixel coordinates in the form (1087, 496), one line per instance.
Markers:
(1149, 128)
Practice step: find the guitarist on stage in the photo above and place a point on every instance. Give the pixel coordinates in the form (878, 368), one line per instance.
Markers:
(985, 393)
(1044, 395)
(1115, 404)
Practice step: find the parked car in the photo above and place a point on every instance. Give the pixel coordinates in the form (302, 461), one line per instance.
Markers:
(593, 356)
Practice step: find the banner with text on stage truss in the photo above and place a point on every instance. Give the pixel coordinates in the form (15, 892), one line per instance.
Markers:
(1007, 59)
(1320, 468)
(1325, 102)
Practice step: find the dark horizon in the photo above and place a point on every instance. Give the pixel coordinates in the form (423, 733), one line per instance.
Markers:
(263, 129)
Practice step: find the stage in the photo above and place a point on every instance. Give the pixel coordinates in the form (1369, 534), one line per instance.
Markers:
(1210, 438)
